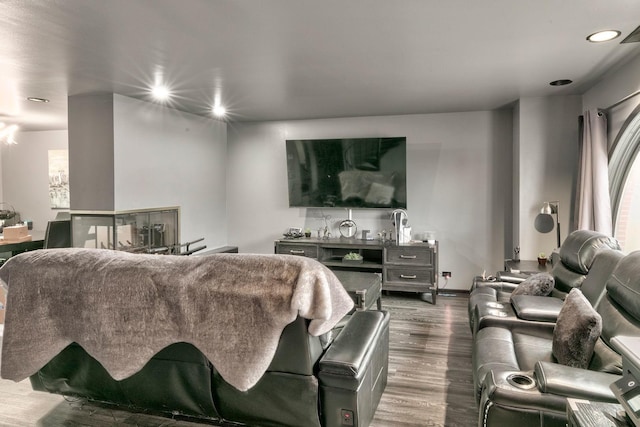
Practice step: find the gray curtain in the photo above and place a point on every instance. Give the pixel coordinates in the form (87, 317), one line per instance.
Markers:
(593, 203)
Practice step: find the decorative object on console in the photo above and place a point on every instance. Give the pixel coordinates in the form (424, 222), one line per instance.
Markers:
(544, 221)
(542, 259)
(353, 258)
(576, 331)
(293, 233)
(348, 227)
(399, 218)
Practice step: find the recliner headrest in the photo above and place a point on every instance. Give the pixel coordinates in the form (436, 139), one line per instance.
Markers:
(624, 284)
(580, 248)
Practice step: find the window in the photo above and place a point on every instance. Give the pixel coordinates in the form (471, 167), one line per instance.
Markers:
(624, 172)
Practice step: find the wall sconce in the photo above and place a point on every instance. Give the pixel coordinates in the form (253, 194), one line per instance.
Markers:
(544, 221)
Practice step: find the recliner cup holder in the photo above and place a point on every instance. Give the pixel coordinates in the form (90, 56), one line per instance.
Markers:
(497, 313)
(521, 381)
(495, 304)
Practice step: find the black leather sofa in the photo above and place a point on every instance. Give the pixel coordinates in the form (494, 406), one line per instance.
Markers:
(520, 380)
(531, 309)
(305, 385)
(330, 380)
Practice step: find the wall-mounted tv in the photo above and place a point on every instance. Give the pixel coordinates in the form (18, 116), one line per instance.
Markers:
(347, 173)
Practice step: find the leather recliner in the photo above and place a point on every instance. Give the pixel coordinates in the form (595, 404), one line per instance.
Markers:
(520, 381)
(529, 309)
(569, 270)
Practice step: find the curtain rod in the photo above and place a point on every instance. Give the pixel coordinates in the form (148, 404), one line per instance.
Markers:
(623, 100)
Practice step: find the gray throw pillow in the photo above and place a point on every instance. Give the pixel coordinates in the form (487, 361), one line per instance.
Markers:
(577, 329)
(540, 284)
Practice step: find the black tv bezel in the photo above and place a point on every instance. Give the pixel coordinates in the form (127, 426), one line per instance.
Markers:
(402, 139)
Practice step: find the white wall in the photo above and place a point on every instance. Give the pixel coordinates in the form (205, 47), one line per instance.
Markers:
(25, 174)
(457, 183)
(547, 165)
(1, 180)
(614, 86)
(164, 157)
(90, 119)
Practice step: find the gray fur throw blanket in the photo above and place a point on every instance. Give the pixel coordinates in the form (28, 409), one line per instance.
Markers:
(123, 308)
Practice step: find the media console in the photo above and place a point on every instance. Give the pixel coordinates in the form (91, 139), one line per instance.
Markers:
(411, 267)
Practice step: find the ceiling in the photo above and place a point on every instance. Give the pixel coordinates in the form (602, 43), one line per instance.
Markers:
(300, 59)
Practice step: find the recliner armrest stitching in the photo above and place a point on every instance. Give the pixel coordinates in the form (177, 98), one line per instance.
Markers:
(574, 382)
(351, 350)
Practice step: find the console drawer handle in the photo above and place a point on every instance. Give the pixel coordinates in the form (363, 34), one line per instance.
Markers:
(408, 276)
(408, 256)
(296, 252)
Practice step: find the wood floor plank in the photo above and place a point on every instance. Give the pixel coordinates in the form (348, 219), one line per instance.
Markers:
(429, 382)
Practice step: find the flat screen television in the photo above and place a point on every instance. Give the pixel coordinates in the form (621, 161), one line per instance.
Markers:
(347, 173)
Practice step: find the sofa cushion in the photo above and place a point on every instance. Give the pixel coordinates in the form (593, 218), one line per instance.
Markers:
(537, 308)
(540, 284)
(576, 331)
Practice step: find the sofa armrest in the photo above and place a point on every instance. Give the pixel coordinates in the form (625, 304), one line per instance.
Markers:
(540, 308)
(511, 277)
(348, 357)
(353, 371)
(498, 285)
(574, 382)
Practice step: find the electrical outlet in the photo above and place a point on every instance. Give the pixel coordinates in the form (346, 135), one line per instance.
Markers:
(446, 274)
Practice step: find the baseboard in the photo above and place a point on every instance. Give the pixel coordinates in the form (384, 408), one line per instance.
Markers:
(453, 292)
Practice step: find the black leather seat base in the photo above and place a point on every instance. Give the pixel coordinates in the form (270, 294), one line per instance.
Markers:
(536, 308)
(501, 349)
(269, 402)
(161, 386)
(305, 385)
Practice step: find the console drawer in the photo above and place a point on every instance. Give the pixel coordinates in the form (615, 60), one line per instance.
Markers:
(310, 251)
(409, 255)
(409, 275)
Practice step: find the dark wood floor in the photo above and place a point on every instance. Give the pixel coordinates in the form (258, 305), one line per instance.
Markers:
(430, 381)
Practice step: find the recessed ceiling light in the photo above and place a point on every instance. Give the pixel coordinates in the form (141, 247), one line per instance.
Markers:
(561, 82)
(603, 36)
(36, 99)
(7, 133)
(219, 110)
(160, 92)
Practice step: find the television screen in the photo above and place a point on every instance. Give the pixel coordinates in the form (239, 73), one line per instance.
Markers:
(347, 173)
